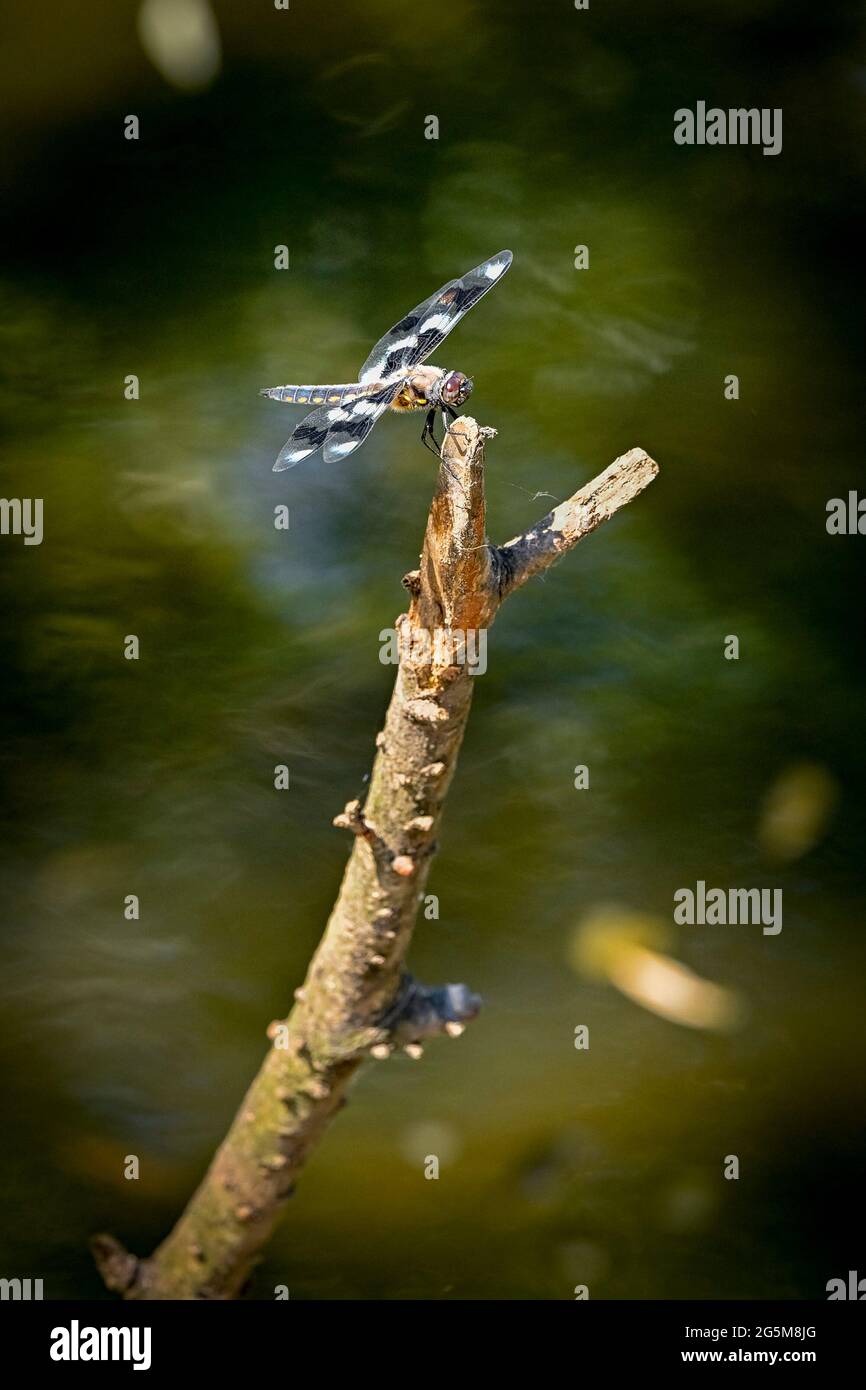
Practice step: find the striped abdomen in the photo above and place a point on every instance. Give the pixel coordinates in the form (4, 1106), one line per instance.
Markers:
(318, 395)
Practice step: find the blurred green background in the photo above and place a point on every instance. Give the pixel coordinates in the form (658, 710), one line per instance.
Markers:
(305, 127)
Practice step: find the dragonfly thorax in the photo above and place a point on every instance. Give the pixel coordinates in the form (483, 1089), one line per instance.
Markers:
(431, 386)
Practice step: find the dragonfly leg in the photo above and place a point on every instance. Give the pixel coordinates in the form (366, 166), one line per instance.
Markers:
(432, 418)
(428, 438)
(453, 415)
(427, 434)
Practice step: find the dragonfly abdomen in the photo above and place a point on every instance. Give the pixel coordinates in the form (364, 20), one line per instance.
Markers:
(317, 395)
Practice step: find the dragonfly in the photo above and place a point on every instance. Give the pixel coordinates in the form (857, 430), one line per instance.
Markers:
(394, 376)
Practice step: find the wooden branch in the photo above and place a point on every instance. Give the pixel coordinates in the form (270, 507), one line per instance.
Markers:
(455, 575)
(537, 549)
(358, 1001)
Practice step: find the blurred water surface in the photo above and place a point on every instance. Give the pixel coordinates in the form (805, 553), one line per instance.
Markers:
(558, 1166)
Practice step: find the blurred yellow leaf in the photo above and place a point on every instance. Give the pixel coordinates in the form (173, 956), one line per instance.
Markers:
(797, 810)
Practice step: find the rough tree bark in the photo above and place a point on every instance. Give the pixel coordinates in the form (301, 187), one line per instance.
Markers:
(358, 1000)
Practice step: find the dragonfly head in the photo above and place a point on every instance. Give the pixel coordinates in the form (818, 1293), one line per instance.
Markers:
(456, 388)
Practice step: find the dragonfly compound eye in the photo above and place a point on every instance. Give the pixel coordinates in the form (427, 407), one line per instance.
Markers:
(456, 388)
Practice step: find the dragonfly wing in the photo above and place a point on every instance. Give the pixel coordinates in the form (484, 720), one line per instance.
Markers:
(305, 439)
(415, 337)
(339, 428)
(347, 434)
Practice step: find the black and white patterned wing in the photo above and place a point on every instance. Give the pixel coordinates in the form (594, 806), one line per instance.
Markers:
(349, 430)
(339, 428)
(415, 337)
